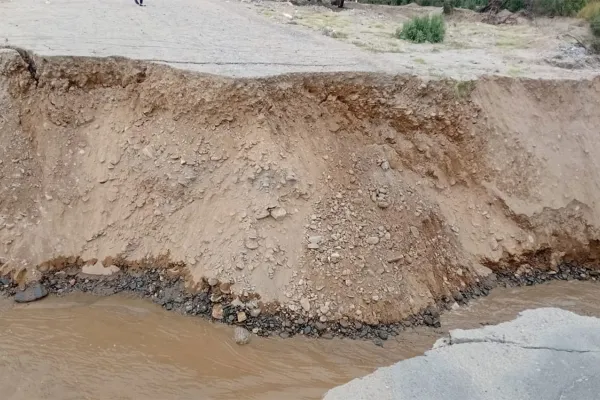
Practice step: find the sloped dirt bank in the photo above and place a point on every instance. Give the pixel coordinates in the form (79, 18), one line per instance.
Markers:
(334, 197)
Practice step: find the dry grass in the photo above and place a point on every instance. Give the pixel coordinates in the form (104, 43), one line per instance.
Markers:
(590, 11)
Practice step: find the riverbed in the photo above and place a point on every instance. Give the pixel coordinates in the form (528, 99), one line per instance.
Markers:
(87, 347)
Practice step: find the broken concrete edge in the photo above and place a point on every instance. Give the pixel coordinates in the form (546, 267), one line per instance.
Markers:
(543, 353)
(550, 323)
(167, 284)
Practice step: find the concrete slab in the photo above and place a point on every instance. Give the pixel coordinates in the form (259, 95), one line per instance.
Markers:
(212, 36)
(535, 329)
(553, 363)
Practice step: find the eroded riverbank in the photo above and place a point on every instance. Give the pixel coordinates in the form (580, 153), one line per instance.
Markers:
(83, 346)
(214, 300)
(324, 204)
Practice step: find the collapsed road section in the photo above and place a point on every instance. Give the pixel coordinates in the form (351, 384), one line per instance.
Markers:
(343, 200)
(545, 353)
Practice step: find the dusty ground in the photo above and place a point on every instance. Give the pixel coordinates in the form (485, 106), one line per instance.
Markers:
(338, 195)
(539, 48)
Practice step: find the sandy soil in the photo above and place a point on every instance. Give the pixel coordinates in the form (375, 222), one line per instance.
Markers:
(340, 195)
(539, 48)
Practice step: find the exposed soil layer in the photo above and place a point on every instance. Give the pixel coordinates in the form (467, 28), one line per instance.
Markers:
(334, 198)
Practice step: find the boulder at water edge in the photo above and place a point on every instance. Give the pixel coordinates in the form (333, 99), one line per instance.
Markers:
(241, 335)
(33, 292)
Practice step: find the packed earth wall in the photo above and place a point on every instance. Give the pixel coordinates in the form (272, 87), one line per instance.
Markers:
(351, 198)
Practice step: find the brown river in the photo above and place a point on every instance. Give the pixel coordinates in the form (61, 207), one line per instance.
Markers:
(84, 347)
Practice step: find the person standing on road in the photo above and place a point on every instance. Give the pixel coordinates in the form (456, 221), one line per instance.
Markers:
(139, 2)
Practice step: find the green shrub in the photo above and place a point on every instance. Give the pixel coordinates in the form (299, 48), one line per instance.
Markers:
(515, 5)
(565, 8)
(448, 8)
(423, 29)
(595, 25)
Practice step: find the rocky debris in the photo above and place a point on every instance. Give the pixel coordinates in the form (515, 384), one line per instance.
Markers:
(314, 241)
(278, 213)
(241, 335)
(217, 311)
(168, 290)
(414, 231)
(380, 197)
(33, 292)
(99, 269)
(241, 316)
(255, 312)
(431, 317)
(262, 214)
(305, 303)
(372, 240)
(213, 281)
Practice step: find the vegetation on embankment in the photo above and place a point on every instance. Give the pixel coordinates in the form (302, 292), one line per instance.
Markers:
(565, 8)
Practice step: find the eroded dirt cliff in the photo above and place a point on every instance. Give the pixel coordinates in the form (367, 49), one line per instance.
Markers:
(357, 196)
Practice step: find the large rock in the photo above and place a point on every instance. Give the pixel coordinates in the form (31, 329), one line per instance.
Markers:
(33, 292)
(544, 354)
(241, 335)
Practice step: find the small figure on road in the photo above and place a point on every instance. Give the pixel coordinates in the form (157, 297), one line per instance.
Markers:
(139, 2)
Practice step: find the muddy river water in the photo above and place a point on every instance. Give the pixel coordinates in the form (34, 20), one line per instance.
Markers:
(84, 347)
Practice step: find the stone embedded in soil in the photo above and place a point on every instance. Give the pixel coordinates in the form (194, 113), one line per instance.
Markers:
(414, 231)
(255, 312)
(372, 240)
(32, 293)
(320, 326)
(217, 311)
(213, 281)
(305, 303)
(262, 214)
(241, 316)
(99, 269)
(241, 335)
(315, 239)
(278, 213)
(225, 287)
(383, 204)
(394, 259)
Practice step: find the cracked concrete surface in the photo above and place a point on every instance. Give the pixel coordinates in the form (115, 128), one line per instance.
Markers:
(551, 332)
(545, 353)
(211, 36)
